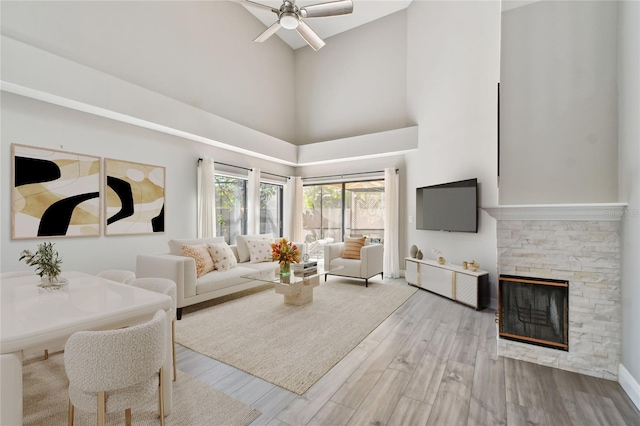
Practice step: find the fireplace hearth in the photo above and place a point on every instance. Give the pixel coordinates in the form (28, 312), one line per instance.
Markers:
(534, 310)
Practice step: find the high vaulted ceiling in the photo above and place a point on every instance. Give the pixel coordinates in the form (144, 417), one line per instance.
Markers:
(364, 11)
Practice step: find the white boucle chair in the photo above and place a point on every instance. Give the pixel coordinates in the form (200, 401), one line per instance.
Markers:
(119, 275)
(115, 370)
(168, 287)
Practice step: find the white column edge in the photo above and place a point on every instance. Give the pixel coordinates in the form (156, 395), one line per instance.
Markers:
(629, 385)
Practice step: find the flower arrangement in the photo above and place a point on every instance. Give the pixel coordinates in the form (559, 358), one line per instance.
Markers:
(46, 261)
(285, 252)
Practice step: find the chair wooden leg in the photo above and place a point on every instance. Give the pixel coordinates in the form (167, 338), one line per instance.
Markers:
(179, 314)
(173, 345)
(102, 409)
(70, 413)
(325, 278)
(366, 282)
(46, 354)
(127, 417)
(161, 397)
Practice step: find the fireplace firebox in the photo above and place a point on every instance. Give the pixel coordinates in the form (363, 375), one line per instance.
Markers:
(534, 310)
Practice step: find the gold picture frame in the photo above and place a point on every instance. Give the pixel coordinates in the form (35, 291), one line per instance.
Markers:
(134, 201)
(54, 193)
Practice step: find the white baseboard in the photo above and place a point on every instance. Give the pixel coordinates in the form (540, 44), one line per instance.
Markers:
(629, 384)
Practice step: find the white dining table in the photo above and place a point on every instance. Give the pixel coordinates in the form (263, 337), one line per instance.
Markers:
(35, 319)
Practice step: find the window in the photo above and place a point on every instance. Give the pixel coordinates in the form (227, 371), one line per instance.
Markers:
(231, 211)
(338, 209)
(271, 209)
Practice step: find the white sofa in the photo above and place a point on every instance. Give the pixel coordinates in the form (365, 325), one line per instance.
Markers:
(369, 264)
(182, 270)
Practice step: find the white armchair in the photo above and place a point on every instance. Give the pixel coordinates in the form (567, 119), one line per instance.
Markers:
(369, 264)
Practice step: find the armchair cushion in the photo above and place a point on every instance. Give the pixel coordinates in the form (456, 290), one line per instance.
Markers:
(199, 252)
(352, 248)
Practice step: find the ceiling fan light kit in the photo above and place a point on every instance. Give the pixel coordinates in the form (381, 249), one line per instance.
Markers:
(290, 18)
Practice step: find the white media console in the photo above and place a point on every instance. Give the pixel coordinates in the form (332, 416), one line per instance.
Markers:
(452, 281)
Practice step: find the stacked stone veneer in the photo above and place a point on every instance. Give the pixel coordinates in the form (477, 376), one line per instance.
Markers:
(587, 254)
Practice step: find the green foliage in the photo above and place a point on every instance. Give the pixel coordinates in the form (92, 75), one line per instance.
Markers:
(45, 259)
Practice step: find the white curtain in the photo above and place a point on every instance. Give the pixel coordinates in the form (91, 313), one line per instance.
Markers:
(206, 198)
(253, 202)
(391, 263)
(293, 206)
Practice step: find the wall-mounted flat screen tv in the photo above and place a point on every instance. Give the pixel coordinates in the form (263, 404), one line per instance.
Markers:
(449, 206)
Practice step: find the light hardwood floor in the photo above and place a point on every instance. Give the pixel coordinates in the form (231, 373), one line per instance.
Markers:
(432, 362)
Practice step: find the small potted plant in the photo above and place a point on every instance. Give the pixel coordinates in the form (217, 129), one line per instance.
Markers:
(47, 263)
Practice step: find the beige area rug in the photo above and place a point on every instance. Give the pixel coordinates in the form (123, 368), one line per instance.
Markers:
(194, 403)
(290, 346)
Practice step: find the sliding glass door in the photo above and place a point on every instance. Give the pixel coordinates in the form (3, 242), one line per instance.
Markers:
(364, 208)
(332, 211)
(322, 212)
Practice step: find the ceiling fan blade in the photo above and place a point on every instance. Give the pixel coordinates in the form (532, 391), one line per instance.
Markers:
(333, 8)
(268, 32)
(258, 5)
(309, 36)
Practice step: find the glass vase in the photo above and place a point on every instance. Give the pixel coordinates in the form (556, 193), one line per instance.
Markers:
(285, 273)
(52, 283)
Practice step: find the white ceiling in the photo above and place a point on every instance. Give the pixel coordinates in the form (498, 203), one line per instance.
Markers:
(364, 11)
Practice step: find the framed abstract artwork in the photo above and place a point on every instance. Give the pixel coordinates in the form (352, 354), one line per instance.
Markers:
(134, 198)
(54, 193)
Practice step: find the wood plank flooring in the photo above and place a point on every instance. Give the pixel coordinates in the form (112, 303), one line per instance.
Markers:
(432, 362)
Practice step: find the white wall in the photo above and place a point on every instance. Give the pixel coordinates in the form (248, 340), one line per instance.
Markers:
(198, 52)
(629, 181)
(30, 122)
(354, 85)
(452, 76)
(558, 81)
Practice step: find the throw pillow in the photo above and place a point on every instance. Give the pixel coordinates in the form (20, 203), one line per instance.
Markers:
(259, 250)
(222, 255)
(243, 248)
(352, 248)
(201, 255)
(175, 246)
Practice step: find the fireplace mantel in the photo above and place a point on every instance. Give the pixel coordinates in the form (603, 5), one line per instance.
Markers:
(594, 211)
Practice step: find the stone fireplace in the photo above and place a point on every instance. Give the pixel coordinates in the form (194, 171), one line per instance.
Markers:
(579, 245)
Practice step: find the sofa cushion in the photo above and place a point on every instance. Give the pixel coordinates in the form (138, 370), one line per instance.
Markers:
(243, 248)
(268, 267)
(352, 248)
(217, 280)
(222, 256)
(175, 246)
(201, 255)
(259, 250)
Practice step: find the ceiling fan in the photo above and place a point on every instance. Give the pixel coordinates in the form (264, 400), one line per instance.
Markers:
(290, 17)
